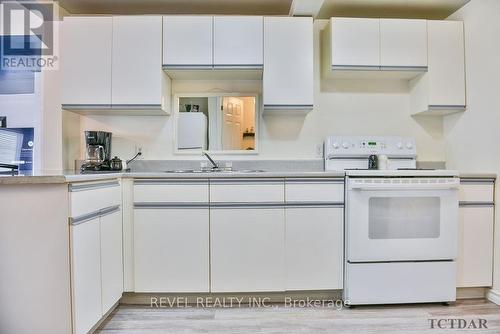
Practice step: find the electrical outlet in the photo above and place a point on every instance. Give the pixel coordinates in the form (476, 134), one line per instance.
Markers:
(138, 149)
(319, 150)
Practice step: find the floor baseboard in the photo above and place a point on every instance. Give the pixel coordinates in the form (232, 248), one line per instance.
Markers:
(191, 298)
(493, 296)
(471, 293)
(277, 297)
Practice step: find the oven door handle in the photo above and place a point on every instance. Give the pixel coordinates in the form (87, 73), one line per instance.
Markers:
(431, 186)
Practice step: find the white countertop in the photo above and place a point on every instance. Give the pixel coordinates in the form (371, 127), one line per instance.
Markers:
(52, 177)
(47, 177)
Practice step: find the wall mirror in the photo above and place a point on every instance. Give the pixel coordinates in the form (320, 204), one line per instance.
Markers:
(218, 123)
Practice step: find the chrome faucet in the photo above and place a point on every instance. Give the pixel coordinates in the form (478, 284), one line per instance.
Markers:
(214, 164)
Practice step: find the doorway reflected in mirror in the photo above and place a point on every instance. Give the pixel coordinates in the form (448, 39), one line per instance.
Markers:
(216, 123)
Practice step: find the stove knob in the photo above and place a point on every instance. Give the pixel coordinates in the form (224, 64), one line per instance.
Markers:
(345, 145)
(409, 145)
(336, 145)
(399, 145)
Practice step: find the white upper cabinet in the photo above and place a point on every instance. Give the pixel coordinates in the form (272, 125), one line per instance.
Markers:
(86, 61)
(137, 48)
(375, 48)
(288, 63)
(403, 43)
(187, 41)
(446, 63)
(355, 42)
(442, 89)
(113, 64)
(238, 41)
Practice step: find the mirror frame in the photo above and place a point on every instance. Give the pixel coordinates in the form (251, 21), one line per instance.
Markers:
(258, 109)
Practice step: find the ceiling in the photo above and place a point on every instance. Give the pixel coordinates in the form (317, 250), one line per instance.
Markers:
(432, 9)
(244, 7)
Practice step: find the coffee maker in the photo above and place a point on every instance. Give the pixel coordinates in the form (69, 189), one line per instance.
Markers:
(97, 151)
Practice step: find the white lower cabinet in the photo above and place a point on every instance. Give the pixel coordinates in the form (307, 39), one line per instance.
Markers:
(96, 252)
(247, 248)
(475, 246)
(111, 259)
(314, 247)
(475, 232)
(171, 249)
(86, 275)
(238, 234)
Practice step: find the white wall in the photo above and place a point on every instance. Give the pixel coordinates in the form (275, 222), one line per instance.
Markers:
(472, 137)
(346, 107)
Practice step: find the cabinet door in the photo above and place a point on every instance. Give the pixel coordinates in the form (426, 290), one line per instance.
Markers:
(111, 259)
(446, 63)
(403, 43)
(137, 73)
(86, 60)
(187, 41)
(247, 249)
(171, 249)
(288, 63)
(475, 246)
(86, 274)
(314, 248)
(238, 41)
(355, 42)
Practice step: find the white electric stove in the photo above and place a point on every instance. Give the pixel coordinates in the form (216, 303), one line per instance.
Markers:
(400, 223)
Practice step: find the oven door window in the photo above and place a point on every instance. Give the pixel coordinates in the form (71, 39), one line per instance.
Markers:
(404, 217)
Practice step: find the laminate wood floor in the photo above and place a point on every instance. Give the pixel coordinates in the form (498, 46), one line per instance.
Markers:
(281, 319)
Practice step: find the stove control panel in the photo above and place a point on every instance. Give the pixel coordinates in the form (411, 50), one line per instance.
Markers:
(361, 146)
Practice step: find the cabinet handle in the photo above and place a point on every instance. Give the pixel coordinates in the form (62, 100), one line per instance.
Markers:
(84, 218)
(446, 107)
(85, 106)
(404, 68)
(170, 181)
(136, 106)
(171, 205)
(186, 66)
(314, 205)
(476, 204)
(241, 205)
(92, 215)
(109, 210)
(88, 186)
(314, 180)
(356, 67)
(247, 180)
(239, 66)
(477, 181)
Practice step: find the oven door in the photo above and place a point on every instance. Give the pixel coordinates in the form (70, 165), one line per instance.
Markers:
(401, 219)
